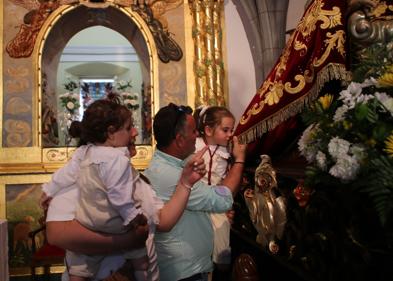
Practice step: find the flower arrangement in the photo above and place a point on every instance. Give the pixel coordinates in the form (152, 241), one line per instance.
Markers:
(130, 100)
(123, 85)
(349, 140)
(70, 85)
(70, 100)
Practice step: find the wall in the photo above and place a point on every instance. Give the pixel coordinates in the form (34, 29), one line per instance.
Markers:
(240, 66)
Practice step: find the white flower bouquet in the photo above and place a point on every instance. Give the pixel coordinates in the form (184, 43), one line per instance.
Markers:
(70, 102)
(349, 141)
(130, 100)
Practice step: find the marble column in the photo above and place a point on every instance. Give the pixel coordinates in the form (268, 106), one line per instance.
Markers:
(265, 23)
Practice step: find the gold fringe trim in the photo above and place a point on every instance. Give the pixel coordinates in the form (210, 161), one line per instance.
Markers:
(332, 71)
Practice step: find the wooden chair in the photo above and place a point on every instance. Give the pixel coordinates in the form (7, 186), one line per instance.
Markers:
(46, 256)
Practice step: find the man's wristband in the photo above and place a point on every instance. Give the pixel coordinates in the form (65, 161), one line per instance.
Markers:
(189, 187)
(238, 162)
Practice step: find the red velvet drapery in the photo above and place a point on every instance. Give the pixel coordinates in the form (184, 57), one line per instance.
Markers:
(314, 55)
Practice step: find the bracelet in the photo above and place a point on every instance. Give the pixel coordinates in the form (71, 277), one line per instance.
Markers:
(189, 187)
(238, 162)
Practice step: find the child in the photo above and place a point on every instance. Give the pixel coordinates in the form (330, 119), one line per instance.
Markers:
(215, 126)
(113, 197)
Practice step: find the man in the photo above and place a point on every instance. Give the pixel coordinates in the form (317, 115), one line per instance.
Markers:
(185, 252)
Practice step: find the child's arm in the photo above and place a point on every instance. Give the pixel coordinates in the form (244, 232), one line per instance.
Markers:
(63, 177)
(171, 212)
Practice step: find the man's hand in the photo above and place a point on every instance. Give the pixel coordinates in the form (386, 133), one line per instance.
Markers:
(139, 220)
(44, 201)
(140, 235)
(195, 168)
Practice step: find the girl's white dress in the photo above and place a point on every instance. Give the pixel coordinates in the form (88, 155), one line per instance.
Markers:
(220, 222)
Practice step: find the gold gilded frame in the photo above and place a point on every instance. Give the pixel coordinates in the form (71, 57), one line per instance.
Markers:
(6, 180)
(36, 159)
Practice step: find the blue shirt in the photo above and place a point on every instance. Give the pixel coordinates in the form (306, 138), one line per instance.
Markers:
(185, 250)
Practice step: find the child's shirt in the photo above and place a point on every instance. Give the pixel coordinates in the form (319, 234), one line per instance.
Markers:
(219, 156)
(66, 176)
(106, 184)
(112, 168)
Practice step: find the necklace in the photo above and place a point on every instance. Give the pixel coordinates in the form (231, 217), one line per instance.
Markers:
(211, 154)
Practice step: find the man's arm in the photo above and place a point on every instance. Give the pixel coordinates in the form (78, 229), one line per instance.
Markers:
(173, 209)
(71, 235)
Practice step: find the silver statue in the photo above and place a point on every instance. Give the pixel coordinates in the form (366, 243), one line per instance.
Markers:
(366, 26)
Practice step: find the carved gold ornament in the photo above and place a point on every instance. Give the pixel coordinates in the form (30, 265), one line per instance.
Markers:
(22, 44)
(267, 210)
(56, 155)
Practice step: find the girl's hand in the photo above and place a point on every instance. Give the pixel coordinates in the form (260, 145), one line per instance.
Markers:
(44, 201)
(239, 150)
(195, 169)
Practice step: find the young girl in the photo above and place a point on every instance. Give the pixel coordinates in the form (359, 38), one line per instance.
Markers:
(215, 125)
(113, 197)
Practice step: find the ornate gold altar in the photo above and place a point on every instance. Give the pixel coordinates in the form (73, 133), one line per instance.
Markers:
(180, 61)
(163, 34)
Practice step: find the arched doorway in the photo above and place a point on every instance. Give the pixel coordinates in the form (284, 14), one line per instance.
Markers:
(60, 28)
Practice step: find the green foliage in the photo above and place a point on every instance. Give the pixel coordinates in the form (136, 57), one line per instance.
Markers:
(379, 186)
(372, 62)
(70, 85)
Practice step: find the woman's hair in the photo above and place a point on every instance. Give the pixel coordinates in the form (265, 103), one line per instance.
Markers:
(210, 116)
(99, 118)
(75, 131)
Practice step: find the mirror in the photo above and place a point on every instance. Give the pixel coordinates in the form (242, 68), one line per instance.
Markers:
(84, 63)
